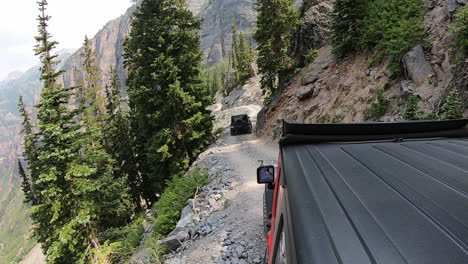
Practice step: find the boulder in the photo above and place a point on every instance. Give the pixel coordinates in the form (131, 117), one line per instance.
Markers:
(333, 82)
(305, 92)
(451, 6)
(310, 77)
(186, 218)
(439, 72)
(407, 89)
(446, 63)
(417, 66)
(172, 242)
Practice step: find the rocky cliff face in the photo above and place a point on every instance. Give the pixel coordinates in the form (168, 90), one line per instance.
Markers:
(331, 90)
(217, 18)
(108, 44)
(315, 28)
(217, 21)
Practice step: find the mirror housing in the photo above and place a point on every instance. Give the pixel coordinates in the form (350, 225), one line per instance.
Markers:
(266, 174)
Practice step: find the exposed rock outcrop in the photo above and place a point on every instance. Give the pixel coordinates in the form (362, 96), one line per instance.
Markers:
(331, 90)
(417, 67)
(315, 29)
(217, 19)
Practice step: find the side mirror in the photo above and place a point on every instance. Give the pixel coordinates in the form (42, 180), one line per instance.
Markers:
(266, 174)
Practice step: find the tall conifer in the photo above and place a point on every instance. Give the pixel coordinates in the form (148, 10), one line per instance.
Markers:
(119, 140)
(347, 17)
(276, 23)
(25, 184)
(167, 98)
(79, 197)
(30, 154)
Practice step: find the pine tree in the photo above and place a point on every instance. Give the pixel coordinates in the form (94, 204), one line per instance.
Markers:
(235, 52)
(91, 98)
(25, 184)
(57, 151)
(30, 153)
(245, 59)
(276, 22)
(119, 141)
(452, 106)
(166, 94)
(347, 16)
(79, 197)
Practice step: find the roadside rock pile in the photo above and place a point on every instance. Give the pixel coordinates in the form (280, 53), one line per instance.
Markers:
(236, 251)
(193, 224)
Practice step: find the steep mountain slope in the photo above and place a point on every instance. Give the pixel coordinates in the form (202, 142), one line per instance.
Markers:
(332, 90)
(217, 19)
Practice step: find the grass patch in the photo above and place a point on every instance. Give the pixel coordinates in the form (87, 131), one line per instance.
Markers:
(378, 106)
(120, 242)
(411, 110)
(311, 56)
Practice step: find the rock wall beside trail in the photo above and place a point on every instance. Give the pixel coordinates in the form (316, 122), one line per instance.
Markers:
(331, 90)
(315, 30)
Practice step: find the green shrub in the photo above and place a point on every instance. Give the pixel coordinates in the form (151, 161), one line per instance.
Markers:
(461, 29)
(311, 55)
(430, 116)
(122, 241)
(218, 131)
(391, 28)
(452, 106)
(378, 107)
(411, 110)
(156, 250)
(174, 199)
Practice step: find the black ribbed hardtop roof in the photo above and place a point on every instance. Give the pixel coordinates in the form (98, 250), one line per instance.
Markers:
(388, 201)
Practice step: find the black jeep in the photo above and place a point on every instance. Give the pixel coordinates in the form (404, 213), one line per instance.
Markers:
(240, 124)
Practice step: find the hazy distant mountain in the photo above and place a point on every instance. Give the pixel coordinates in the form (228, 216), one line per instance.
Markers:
(12, 75)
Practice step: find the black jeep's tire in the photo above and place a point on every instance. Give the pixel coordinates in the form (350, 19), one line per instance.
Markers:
(233, 132)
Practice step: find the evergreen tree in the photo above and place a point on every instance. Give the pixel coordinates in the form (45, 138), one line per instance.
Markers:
(242, 57)
(235, 52)
(25, 184)
(167, 98)
(91, 98)
(30, 153)
(347, 17)
(452, 106)
(79, 197)
(57, 151)
(245, 58)
(276, 23)
(119, 141)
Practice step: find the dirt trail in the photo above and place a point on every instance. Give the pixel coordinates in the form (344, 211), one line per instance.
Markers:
(35, 256)
(240, 222)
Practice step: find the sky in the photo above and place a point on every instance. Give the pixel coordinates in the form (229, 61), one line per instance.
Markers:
(71, 21)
